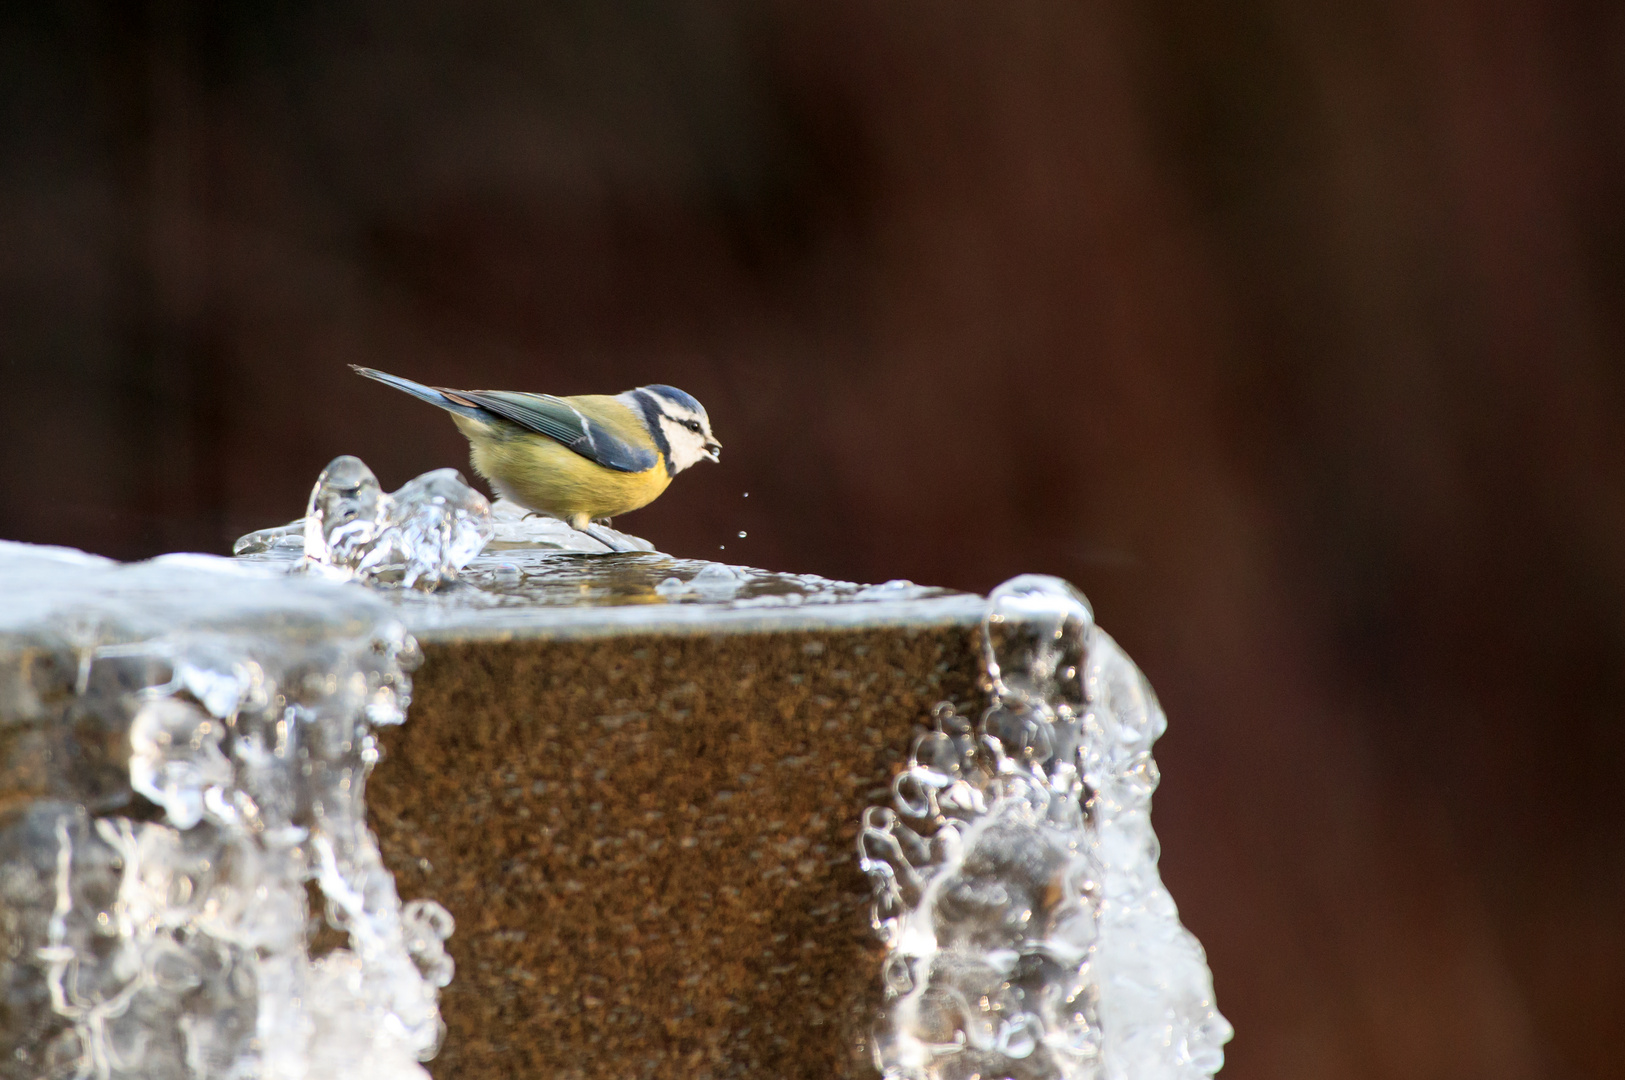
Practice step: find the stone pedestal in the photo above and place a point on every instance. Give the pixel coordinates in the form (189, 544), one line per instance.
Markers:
(635, 784)
(647, 838)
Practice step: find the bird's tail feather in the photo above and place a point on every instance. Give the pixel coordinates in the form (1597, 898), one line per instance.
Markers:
(418, 390)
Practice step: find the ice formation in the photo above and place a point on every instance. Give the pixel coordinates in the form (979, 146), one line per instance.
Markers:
(420, 536)
(1028, 933)
(514, 525)
(170, 935)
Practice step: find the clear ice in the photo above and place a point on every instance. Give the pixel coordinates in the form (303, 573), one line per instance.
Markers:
(1028, 934)
(421, 536)
(191, 739)
(515, 526)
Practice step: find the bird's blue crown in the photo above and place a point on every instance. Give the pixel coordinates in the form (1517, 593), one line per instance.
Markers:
(671, 393)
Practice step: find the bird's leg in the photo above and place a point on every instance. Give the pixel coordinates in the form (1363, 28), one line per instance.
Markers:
(583, 524)
(614, 543)
(604, 521)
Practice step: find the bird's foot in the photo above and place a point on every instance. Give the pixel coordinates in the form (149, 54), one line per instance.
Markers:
(608, 539)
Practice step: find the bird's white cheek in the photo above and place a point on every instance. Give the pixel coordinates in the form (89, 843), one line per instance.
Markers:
(685, 446)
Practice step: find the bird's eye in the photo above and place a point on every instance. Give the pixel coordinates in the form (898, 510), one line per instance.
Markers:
(692, 426)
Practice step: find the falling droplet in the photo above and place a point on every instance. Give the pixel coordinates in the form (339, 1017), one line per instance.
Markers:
(741, 534)
(747, 494)
(722, 547)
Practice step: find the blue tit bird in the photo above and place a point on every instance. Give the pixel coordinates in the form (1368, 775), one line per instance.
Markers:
(582, 459)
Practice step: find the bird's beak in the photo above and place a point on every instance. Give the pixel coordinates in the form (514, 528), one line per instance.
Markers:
(713, 450)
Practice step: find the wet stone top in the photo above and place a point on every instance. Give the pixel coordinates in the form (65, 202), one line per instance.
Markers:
(456, 567)
(525, 592)
(517, 589)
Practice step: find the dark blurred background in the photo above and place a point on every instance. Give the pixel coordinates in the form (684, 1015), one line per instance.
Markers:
(1290, 332)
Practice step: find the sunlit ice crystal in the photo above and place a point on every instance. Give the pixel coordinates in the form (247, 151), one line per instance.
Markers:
(420, 537)
(441, 524)
(1028, 933)
(347, 515)
(172, 939)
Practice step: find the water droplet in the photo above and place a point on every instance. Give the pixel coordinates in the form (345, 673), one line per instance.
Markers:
(741, 534)
(747, 494)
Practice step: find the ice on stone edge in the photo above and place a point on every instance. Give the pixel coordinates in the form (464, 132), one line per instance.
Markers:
(177, 945)
(1028, 934)
(421, 536)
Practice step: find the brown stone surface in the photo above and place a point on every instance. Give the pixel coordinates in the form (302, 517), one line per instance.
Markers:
(648, 843)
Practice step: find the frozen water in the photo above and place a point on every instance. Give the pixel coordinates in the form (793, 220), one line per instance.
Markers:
(153, 894)
(516, 526)
(347, 519)
(511, 525)
(437, 530)
(440, 524)
(283, 539)
(716, 581)
(533, 563)
(1028, 932)
(420, 537)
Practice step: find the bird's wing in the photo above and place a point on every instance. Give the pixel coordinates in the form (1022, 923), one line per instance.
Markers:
(559, 420)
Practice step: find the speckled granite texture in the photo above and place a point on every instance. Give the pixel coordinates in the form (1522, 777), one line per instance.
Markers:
(647, 842)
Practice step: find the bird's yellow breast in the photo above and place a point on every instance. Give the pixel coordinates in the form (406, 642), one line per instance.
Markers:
(540, 474)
